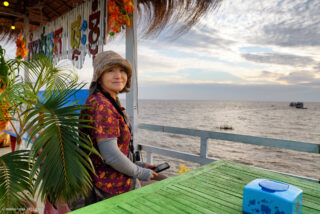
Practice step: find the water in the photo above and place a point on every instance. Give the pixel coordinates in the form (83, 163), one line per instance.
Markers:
(264, 119)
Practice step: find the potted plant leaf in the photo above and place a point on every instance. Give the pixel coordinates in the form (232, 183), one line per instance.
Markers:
(58, 160)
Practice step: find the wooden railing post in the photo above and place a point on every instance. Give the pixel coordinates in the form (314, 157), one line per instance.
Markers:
(149, 157)
(204, 147)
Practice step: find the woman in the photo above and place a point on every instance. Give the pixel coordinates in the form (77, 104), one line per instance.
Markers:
(116, 173)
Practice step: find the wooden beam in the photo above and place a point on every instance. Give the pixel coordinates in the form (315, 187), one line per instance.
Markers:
(51, 9)
(21, 21)
(45, 15)
(35, 23)
(37, 5)
(10, 12)
(37, 15)
(65, 4)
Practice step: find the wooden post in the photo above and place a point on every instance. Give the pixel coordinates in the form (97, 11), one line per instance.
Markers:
(131, 56)
(26, 36)
(204, 147)
(149, 157)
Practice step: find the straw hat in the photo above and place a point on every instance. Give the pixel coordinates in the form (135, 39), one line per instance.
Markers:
(106, 60)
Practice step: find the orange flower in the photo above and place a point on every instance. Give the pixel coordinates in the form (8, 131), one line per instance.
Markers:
(100, 129)
(102, 174)
(109, 120)
(99, 117)
(128, 182)
(21, 48)
(100, 107)
(109, 185)
(113, 175)
(119, 17)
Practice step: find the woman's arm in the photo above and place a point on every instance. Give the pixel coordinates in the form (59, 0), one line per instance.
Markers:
(112, 156)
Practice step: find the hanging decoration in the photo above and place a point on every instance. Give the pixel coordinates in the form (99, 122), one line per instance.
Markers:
(4, 105)
(81, 31)
(21, 48)
(119, 17)
(73, 35)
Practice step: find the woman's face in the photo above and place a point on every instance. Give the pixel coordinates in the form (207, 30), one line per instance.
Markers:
(114, 80)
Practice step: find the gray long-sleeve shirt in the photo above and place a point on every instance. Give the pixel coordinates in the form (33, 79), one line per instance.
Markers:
(112, 156)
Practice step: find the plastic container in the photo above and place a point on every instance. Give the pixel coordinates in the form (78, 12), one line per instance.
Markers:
(271, 197)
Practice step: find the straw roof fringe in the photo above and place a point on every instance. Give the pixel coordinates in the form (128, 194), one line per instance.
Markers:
(154, 15)
(176, 15)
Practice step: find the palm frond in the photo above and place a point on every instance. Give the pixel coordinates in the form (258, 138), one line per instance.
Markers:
(15, 181)
(62, 164)
(60, 153)
(44, 75)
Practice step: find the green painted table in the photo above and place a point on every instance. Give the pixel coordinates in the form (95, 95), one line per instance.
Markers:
(213, 188)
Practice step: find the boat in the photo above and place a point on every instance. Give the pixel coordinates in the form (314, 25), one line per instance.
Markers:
(293, 104)
(299, 105)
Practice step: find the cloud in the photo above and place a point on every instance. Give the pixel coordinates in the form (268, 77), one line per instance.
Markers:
(284, 35)
(298, 27)
(269, 75)
(198, 40)
(285, 23)
(307, 78)
(150, 61)
(190, 76)
(317, 68)
(204, 38)
(279, 59)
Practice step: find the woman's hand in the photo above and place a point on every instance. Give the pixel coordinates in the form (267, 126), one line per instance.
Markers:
(154, 174)
(150, 166)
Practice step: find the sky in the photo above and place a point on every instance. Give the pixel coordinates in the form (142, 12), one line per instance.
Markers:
(246, 50)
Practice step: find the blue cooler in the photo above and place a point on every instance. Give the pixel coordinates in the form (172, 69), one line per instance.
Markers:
(265, 196)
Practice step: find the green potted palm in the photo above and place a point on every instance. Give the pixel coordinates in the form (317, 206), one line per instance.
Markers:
(57, 164)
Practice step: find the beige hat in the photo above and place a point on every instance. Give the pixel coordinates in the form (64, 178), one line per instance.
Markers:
(106, 60)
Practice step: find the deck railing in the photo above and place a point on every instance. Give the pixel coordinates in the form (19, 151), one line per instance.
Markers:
(205, 135)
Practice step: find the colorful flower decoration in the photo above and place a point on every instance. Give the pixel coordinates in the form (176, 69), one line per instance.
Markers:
(119, 17)
(183, 169)
(84, 39)
(84, 25)
(21, 48)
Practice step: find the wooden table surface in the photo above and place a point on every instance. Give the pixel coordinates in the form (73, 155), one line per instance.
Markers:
(213, 188)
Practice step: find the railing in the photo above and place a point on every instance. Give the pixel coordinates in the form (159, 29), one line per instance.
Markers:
(205, 135)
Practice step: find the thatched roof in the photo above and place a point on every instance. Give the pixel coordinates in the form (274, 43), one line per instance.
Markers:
(154, 14)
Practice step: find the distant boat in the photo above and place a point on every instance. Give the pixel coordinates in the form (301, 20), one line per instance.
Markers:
(226, 127)
(293, 104)
(297, 105)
